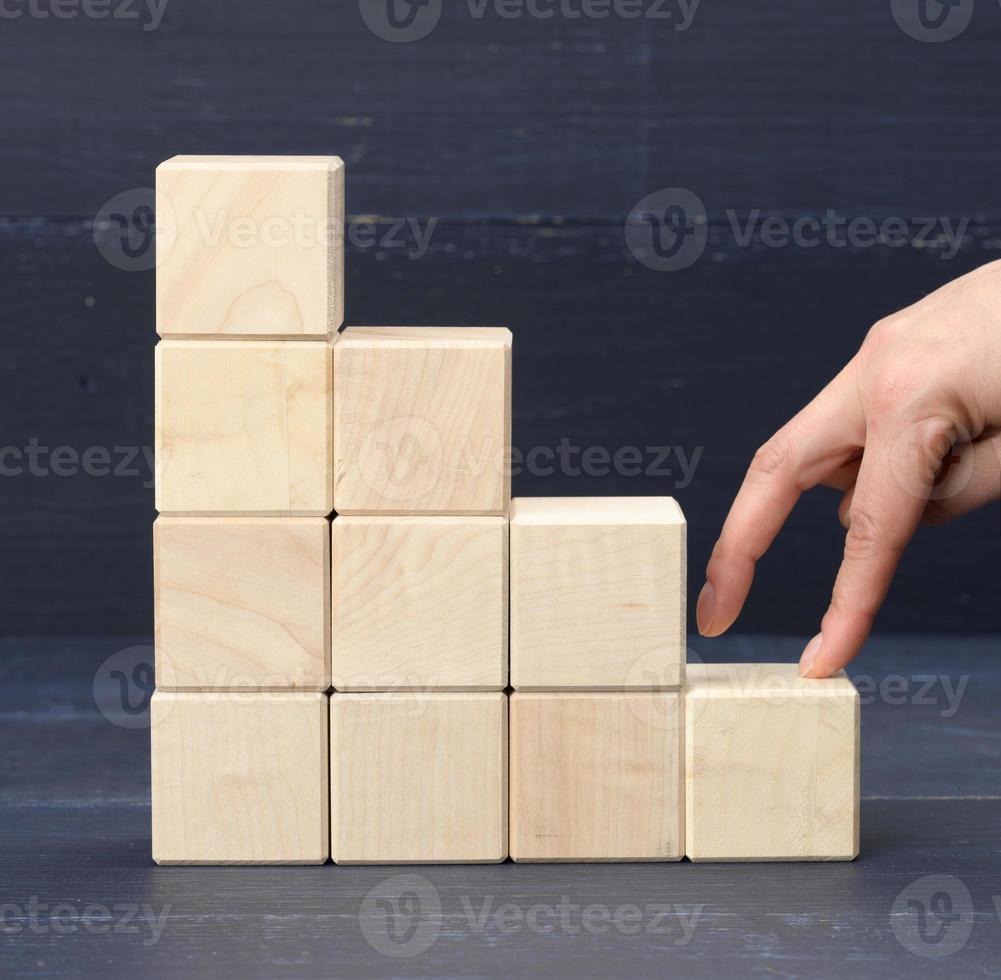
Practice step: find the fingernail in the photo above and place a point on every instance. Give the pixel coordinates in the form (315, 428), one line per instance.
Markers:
(705, 608)
(809, 657)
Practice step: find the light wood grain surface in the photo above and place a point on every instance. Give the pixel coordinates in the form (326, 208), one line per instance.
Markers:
(242, 602)
(239, 778)
(418, 778)
(244, 427)
(598, 593)
(250, 246)
(597, 777)
(419, 603)
(772, 764)
(423, 421)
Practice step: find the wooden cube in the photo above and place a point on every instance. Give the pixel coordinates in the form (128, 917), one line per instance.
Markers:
(597, 593)
(250, 247)
(244, 428)
(418, 778)
(419, 603)
(597, 777)
(239, 778)
(772, 765)
(242, 603)
(423, 421)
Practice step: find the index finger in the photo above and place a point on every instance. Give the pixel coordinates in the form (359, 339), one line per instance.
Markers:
(821, 438)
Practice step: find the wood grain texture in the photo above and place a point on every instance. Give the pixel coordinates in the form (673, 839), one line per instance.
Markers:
(419, 603)
(772, 765)
(597, 777)
(598, 593)
(418, 778)
(250, 246)
(423, 421)
(244, 428)
(239, 778)
(242, 603)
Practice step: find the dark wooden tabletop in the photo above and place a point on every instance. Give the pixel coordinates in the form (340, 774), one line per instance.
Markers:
(81, 897)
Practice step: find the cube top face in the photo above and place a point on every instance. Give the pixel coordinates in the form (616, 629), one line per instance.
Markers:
(772, 765)
(240, 164)
(597, 777)
(418, 779)
(768, 681)
(487, 337)
(419, 603)
(423, 421)
(239, 778)
(597, 594)
(250, 247)
(244, 428)
(596, 511)
(242, 603)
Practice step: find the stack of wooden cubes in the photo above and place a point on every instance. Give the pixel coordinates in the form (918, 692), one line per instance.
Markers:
(337, 683)
(250, 287)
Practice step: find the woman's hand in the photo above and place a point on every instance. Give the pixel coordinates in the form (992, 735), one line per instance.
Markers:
(910, 430)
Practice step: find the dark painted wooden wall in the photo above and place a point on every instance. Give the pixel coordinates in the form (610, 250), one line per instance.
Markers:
(529, 141)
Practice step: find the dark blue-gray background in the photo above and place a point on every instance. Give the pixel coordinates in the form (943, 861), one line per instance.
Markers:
(529, 141)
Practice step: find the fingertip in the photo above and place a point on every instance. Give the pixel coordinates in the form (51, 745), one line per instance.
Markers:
(808, 662)
(705, 609)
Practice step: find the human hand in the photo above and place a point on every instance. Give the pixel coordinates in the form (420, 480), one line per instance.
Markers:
(910, 431)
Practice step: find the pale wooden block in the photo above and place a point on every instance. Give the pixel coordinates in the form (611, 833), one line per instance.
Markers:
(597, 777)
(242, 602)
(597, 593)
(250, 247)
(423, 421)
(240, 778)
(419, 603)
(244, 428)
(418, 778)
(772, 764)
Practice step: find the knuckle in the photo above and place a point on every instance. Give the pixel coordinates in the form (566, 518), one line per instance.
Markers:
(773, 457)
(893, 388)
(885, 330)
(865, 537)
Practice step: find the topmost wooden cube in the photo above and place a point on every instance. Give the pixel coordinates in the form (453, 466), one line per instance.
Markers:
(250, 247)
(422, 421)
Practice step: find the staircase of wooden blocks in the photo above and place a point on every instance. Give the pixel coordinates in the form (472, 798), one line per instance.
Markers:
(342, 582)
